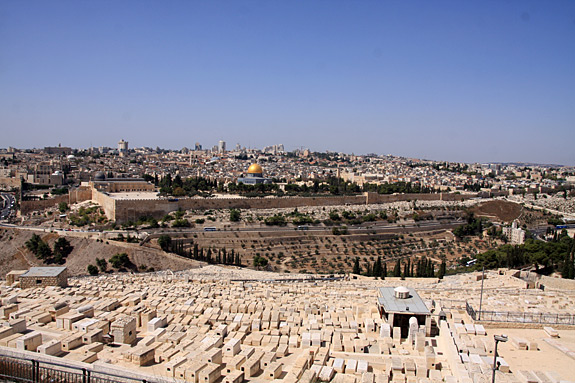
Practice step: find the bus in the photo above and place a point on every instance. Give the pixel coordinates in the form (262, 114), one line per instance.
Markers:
(209, 229)
(302, 227)
(471, 263)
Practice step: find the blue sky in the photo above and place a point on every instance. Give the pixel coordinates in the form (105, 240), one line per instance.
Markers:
(470, 81)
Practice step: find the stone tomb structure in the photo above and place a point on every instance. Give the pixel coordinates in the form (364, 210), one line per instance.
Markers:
(399, 305)
(44, 277)
(217, 324)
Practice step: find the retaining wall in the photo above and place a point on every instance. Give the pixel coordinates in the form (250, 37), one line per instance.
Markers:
(76, 195)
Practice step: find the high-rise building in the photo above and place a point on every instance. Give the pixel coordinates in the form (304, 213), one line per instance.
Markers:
(123, 147)
(221, 146)
(198, 146)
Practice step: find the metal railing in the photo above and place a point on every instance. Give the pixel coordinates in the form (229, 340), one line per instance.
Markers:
(520, 317)
(33, 371)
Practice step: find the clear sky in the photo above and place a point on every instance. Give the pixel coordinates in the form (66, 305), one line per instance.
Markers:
(471, 81)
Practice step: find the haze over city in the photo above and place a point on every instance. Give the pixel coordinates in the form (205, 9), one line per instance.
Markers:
(454, 81)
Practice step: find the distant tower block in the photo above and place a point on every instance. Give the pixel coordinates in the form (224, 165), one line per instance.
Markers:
(221, 146)
(123, 147)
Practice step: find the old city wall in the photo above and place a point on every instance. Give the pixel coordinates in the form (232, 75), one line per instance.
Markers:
(121, 210)
(131, 210)
(80, 194)
(76, 195)
(108, 204)
(30, 206)
(375, 198)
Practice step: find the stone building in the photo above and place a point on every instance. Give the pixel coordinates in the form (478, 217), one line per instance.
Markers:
(14, 276)
(120, 185)
(514, 234)
(398, 305)
(44, 276)
(123, 330)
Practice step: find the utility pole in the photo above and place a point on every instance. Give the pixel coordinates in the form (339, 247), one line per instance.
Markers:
(481, 296)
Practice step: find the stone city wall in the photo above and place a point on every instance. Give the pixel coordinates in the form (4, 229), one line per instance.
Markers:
(131, 210)
(80, 194)
(75, 195)
(375, 198)
(107, 203)
(123, 210)
(30, 206)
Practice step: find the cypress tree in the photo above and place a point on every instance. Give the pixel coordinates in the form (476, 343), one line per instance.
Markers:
(429, 268)
(406, 270)
(356, 268)
(384, 271)
(377, 267)
(397, 269)
(442, 270)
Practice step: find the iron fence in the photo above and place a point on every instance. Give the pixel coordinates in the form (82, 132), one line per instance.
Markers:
(518, 317)
(33, 371)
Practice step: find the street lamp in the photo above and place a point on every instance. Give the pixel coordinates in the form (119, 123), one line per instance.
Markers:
(498, 338)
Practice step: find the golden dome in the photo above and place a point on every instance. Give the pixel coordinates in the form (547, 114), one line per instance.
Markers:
(255, 169)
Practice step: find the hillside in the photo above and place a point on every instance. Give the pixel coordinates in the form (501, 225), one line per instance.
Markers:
(14, 255)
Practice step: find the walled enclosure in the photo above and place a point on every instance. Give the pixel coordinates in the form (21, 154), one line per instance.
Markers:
(130, 210)
(123, 210)
(76, 195)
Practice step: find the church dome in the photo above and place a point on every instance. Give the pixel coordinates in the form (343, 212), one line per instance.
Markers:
(255, 169)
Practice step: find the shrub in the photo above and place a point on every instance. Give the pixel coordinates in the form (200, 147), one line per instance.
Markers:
(92, 270)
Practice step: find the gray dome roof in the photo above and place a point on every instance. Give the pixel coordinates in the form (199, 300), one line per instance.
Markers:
(99, 176)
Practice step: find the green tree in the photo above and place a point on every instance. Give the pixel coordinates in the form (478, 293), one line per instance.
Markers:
(32, 243)
(62, 248)
(102, 264)
(334, 216)
(397, 269)
(442, 270)
(165, 242)
(235, 215)
(260, 262)
(63, 207)
(356, 267)
(92, 270)
(181, 223)
(377, 270)
(120, 260)
(43, 251)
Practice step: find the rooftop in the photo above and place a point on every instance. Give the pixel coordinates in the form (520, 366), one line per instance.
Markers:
(44, 272)
(414, 304)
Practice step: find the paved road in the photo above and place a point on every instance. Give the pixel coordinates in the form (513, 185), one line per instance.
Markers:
(378, 227)
(7, 204)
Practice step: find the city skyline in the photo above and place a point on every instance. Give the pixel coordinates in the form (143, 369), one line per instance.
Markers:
(443, 81)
